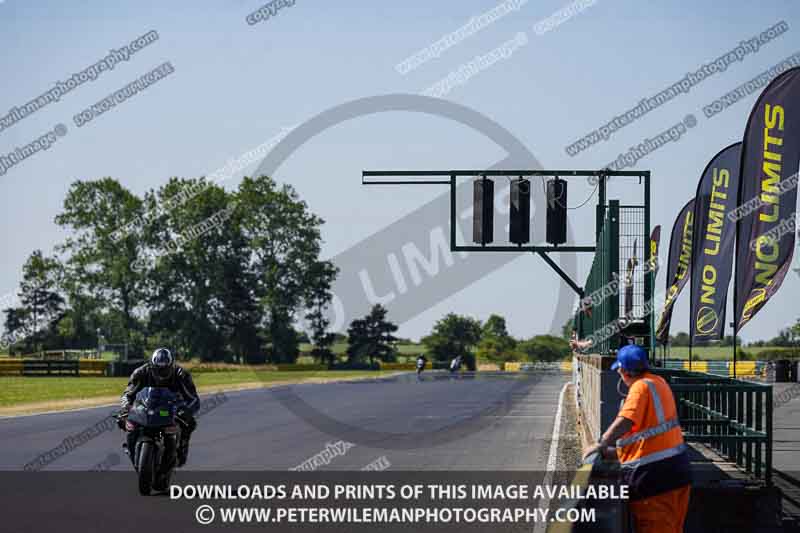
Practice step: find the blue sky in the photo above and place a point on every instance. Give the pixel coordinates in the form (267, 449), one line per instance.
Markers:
(236, 86)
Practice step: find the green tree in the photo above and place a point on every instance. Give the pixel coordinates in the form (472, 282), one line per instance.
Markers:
(727, 340)
(198, 290)
(318, 298)
(783, 340)
(285, 240)
(15, 329)
(567, 328)
(680, 339)
(371, 337)
(546, 348)
(454, 335)
(42, 305)
(495, 343)
(105, 224)
(213, 274)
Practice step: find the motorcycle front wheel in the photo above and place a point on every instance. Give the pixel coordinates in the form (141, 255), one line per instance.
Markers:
(146, 468)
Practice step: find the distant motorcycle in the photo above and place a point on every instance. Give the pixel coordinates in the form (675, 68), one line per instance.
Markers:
(420, 365)
(155, 416)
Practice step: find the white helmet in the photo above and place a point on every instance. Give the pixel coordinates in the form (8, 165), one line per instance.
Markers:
(162, 365)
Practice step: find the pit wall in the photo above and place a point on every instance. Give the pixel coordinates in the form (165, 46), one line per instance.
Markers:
(595, 392)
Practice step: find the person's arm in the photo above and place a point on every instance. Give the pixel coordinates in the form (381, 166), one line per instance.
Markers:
(618, 428)
(579, 345)
(630, 415)
(189, 392)
(134, 386)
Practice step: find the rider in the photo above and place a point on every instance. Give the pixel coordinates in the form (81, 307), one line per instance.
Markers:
(162, 371)
(455, 364)
(421, 360)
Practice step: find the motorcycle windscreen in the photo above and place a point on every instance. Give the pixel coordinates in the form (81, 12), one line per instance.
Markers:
(154, 407)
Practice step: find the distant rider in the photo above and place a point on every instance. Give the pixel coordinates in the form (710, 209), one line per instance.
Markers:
(162, 371)
(421, 360)
(455, 364)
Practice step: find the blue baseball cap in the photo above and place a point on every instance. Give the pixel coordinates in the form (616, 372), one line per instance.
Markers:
(631, 357)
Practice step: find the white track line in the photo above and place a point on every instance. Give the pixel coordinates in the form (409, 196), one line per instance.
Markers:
(552, 459)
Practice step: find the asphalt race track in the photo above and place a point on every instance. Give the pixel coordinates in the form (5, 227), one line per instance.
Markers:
(484, 421)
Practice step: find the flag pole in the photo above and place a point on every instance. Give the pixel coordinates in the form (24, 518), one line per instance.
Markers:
(691, 301)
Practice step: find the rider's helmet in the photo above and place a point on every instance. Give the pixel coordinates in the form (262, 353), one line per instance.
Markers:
(162, 365)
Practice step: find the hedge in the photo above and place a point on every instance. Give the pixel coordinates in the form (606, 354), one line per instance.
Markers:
(777, 353)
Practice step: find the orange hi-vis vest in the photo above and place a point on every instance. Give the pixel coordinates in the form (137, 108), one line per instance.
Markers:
(656, 433)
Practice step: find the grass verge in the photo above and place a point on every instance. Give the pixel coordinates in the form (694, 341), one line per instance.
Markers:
(24, 394)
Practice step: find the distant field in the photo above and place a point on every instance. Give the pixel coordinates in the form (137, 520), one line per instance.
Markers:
(725, 353)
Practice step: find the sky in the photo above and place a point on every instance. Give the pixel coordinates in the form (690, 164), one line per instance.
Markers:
(235, 85)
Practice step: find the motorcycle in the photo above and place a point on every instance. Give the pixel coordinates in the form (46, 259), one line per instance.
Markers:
(420, 366)
(154, 415)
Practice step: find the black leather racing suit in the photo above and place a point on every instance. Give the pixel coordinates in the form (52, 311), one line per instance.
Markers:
(180, 383)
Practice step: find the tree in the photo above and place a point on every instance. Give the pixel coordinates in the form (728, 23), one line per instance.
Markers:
(680, 339)
(452, 336)
(41, 303)
(727, 340)
(199, 291)
(567, 328)
(318, 297)
(495, 343)
(285, 240)
(214, 274)
(372, 337)
(545, 348)
(783, 340)
(100, 256)
(14, 327)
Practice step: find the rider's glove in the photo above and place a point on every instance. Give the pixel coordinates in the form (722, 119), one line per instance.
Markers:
(122, 417)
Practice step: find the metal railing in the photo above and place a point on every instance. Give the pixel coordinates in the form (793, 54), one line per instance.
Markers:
(605, 267)
(731, 416)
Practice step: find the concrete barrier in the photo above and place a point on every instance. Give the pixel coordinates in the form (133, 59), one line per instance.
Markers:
(596, 392)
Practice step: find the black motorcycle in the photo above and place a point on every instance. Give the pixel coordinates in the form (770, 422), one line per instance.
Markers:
(154, 415)
(420, 366)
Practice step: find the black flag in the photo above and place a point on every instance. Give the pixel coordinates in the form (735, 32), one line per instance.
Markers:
(655, 243)
(767, 195)
(712, 251)
(678, 266)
